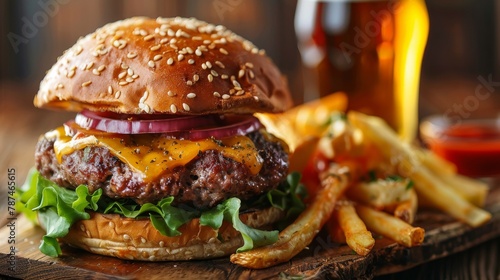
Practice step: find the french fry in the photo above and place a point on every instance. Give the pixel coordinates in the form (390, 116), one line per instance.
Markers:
(427, 184)
(390, 226)
(357, 236)
(304, 121)
(472, 190)
(407, 210)
(436, 163)
(381, 194)
(301, 232)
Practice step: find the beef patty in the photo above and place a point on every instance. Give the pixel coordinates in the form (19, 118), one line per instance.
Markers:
(204, 182)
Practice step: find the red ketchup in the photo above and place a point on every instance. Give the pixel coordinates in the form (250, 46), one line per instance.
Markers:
(474, 147)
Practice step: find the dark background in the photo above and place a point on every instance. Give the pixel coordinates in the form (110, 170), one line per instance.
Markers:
(463, 39)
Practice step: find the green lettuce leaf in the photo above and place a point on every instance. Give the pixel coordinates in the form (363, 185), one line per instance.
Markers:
(165, 218)
(229, 211)
(24, 193)
(59, 208)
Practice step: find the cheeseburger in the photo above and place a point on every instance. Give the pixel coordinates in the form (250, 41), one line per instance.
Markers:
(164, 159)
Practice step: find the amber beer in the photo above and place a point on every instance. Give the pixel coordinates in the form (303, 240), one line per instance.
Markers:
(371, 50)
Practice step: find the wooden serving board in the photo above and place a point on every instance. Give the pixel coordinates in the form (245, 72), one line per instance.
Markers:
(322, 259)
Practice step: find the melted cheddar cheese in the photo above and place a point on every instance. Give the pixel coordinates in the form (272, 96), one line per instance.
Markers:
(152, 155)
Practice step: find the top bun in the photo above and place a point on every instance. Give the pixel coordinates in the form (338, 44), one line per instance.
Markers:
(169, 66)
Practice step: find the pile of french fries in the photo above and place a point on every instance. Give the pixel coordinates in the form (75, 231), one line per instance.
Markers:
(373, 183)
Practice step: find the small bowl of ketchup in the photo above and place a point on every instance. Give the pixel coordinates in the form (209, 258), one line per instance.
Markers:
(473, 145)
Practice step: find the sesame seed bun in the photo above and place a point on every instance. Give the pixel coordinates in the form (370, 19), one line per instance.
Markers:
(137, 239)
(165, 65)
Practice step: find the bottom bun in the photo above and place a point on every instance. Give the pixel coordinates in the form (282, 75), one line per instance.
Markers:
(137, 239)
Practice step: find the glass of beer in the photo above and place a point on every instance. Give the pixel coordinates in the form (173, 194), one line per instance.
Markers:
(369, 49)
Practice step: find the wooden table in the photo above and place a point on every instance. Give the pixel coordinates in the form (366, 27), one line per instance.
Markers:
(450, 250)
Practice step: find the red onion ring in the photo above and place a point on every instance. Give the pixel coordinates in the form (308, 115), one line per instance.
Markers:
(185, 127)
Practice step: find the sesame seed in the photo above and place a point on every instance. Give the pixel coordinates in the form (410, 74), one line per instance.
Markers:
(220, 64)
(126, 237)
(196, 77)
(210, 77)
(110, 90)
(250, 72)
(170, 61)
(144, 97)
(209, 65)
(186, 107)
(236, 84)
(240, 92)
(226, 96)
(173, 41)
(170, 32)
(189, 83)
(89, 65)
(191, 61)
(117, 94)
(203, 65)
(78, 50)
(191, 95)
(198, 52)
(173, 108)
(216, 94)
(59, 86)
(123, 83)
(180, 57)
(198, 38)
(130, 72)
(213, 72)
(155, 47)
(124, 66)
(189, 50)
(249, 64)
(145, 107)
(122, 75)
(170, 93)
(241, 73)
(183, 51)
(164, 40)
(71, 73)
(135, 76)
(151, 64)
(162, 33)
(149, 37)
(223, 51)
(122, 45)
(86, 83)
(224, 76)
(178, 33)
(95, 72)
(95, 54)
(207, 42)
(233, 78)
(143, 32)
(101, 68)
(232, 91)
(129, 79)
(157, 57)
(256, 98)
(255, 50)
